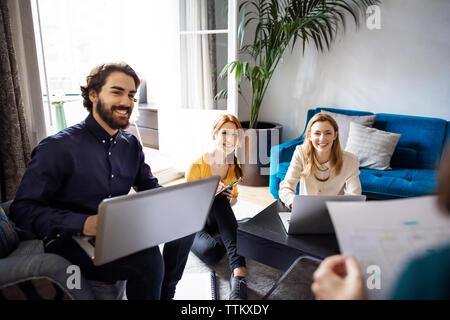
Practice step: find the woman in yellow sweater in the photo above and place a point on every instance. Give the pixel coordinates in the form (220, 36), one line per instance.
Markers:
(219, 235)
(320, 164)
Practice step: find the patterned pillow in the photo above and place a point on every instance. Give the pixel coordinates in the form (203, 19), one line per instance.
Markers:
(373, 147)
(343, 122)
(8, 236)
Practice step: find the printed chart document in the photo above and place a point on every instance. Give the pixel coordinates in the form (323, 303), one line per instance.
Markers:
(385, 235)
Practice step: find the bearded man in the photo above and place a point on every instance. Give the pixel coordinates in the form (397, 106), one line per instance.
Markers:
(71, 172)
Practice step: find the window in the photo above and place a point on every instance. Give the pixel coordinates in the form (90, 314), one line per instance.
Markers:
(77, 35)
(185, 128)
(204, 49)
(178, 47)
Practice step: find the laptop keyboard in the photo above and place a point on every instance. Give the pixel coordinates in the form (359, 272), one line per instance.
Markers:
(92, 241)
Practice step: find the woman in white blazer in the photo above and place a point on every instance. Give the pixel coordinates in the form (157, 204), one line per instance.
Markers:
(320, 164)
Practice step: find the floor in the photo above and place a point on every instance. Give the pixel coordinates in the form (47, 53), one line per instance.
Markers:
(195, 283)
(158, 162)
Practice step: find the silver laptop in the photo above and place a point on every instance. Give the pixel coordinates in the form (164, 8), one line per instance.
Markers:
(128, 224)
(310, 214)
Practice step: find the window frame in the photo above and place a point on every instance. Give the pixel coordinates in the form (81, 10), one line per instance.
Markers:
(231, 32)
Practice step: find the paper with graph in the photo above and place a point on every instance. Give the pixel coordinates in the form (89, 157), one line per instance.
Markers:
(387, 234)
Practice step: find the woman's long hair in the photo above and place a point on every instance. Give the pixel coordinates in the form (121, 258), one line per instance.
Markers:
(307, 149)
(220, 121)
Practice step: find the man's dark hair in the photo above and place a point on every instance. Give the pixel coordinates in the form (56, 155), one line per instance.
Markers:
(96, 79)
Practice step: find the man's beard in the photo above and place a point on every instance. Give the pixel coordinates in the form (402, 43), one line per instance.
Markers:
(107, 115)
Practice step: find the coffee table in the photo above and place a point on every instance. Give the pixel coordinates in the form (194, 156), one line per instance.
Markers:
(264, 239)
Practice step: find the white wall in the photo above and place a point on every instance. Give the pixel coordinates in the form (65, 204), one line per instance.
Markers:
(402, 68)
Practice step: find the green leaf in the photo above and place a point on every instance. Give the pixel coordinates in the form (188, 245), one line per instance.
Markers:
(221, 94)
(277, 24)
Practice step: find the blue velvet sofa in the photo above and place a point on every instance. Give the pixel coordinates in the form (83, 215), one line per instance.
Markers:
(413, 163)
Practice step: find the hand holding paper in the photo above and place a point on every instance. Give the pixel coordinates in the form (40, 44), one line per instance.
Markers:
(385, 235)
(338, 278)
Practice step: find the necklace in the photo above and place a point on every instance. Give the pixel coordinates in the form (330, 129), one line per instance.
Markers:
(323, 169)
(321, 180)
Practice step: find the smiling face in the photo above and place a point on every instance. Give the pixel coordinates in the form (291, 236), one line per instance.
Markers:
(113, 105)
(323, 136)
(226, 138)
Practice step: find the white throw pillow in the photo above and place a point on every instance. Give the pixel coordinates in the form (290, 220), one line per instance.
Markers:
(343, 122)
(374, 148)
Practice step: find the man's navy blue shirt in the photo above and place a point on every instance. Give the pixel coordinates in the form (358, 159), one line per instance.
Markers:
(71, 172)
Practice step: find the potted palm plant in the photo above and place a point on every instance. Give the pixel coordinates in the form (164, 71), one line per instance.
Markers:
(278, 25)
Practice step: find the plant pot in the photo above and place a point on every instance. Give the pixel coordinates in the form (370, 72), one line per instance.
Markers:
(254, 155)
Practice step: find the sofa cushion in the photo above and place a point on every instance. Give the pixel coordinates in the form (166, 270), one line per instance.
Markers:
(399, 182)
(343, 122)
(421, 142)
(373, 147)
(8, 236)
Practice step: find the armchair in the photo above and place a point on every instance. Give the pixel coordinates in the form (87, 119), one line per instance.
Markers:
(27, 272)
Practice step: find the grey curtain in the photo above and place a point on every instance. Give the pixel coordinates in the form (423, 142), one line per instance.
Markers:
(212, 46)
(14, 143)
